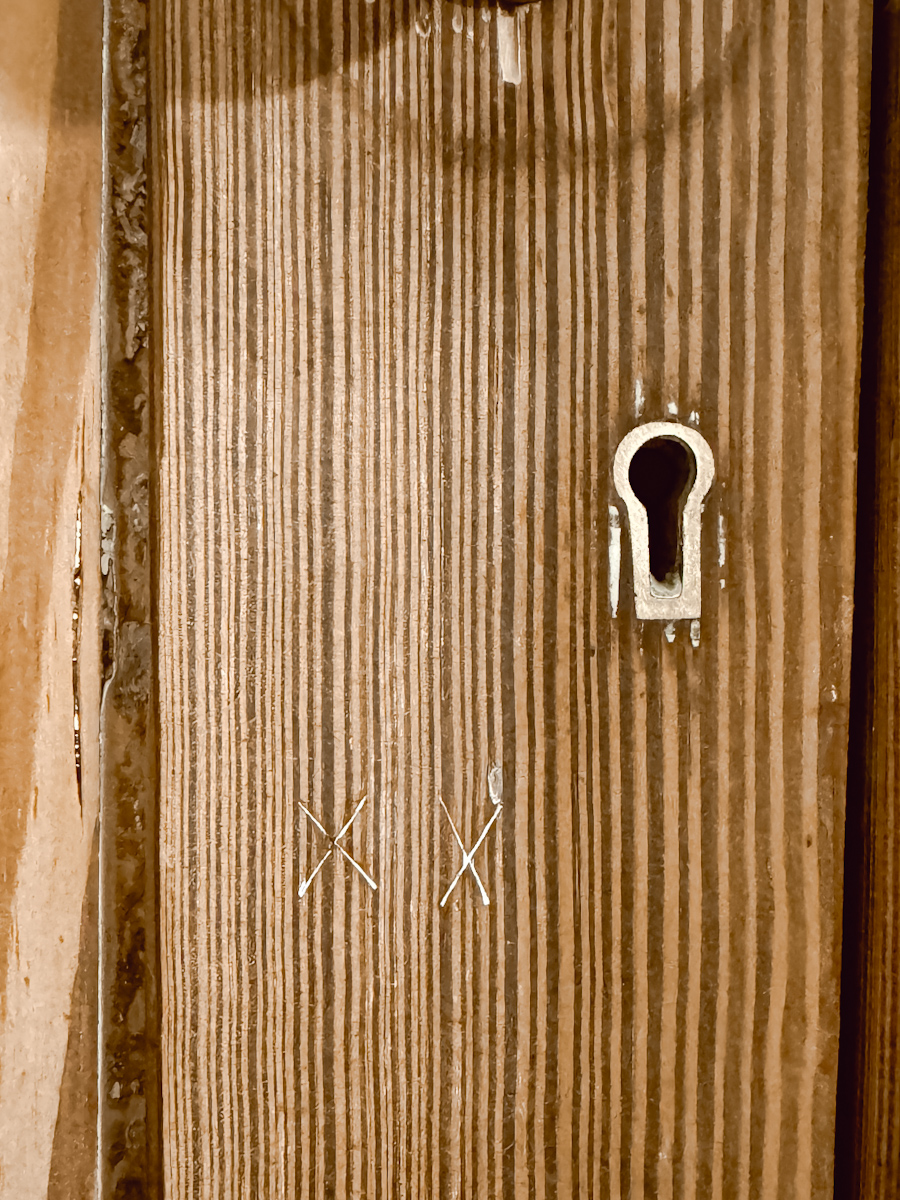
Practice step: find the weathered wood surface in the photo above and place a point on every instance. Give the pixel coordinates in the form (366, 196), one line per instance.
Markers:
(406, 314)
(50, 229)
(868, 1159)
(129, 1161)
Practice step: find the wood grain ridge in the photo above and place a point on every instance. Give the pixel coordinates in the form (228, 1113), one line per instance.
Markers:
(407, 313)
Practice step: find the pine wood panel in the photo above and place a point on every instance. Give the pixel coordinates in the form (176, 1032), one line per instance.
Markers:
(50, 585)
(406, 314)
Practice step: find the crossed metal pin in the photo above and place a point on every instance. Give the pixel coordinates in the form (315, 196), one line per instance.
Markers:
(335, 846)
(495, 791)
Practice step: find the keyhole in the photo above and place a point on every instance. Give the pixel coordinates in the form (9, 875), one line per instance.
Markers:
(662, 473)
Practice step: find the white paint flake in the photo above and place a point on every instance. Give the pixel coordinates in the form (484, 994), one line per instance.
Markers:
(495, 784)
(615, 557)
(508, 47)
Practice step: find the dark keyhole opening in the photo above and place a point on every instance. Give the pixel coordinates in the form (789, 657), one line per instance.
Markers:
(662, 473)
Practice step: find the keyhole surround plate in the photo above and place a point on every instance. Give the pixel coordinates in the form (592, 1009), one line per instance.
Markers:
(650, 605)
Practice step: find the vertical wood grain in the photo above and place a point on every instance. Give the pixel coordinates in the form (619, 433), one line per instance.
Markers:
(406, 315)
(50, 247)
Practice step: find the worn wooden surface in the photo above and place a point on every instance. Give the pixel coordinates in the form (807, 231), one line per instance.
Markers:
(130, 1158)
(868, 1158)
(50, 230)
(406, 314)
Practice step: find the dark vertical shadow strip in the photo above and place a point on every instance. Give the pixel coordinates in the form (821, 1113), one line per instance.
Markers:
(856, 1155)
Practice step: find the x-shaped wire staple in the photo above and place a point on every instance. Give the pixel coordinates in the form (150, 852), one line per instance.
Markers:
(335, 845)
(495, 790)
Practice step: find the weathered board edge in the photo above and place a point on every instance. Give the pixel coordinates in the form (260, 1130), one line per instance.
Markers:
(129, 1152)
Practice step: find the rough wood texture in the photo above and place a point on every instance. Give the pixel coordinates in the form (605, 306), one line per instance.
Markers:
(406, 314)
(50, 228)
(868, 1150)
(130, 1158)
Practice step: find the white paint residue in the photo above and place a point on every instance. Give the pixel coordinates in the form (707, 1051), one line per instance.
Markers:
(615, 558)
(672, 408)
(695, 633)
(669, 631)
(721, 540)
(107, 538)
(694, 419)
(457, 21)
(638, 398)
(508, 47)
(832, 693)
(495, 784)
(77, 563)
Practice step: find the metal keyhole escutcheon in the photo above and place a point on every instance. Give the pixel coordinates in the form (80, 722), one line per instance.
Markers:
(663, 471)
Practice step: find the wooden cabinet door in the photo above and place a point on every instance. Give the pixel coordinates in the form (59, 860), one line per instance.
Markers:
(406, 312)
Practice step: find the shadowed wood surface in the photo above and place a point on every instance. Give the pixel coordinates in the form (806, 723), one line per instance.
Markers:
(868, 1150)
(406, 315)
(129, 1159)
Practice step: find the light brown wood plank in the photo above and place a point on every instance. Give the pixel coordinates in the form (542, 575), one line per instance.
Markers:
(50, 594)
(407, 314)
